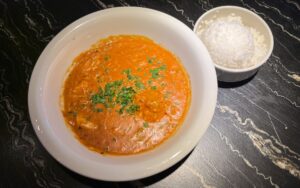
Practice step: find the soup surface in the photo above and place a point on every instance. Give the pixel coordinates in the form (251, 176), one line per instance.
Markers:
(125, 95)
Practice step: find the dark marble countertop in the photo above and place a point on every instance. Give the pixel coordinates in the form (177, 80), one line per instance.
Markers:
(253, 139)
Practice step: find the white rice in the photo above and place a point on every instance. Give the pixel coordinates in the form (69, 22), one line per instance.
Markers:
(231, 44)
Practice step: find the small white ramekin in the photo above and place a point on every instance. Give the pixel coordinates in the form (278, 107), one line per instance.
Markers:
(249, 19)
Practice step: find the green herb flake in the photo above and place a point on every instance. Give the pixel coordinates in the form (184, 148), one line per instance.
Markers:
(107, 95)
(150, 60)
(120, 111)
(106, 58)
(155, 72)
(153, 87)
(163, 67)
(98, 98)
(139, 84)
(128, 74)
(125, 96)
(132, 109)
(99, 110)
(113, 93)
(110, 90)
(146, 124)
(127, 71)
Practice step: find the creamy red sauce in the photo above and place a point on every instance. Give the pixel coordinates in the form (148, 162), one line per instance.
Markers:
(125, 95)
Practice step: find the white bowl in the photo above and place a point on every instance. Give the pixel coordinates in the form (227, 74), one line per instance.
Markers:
(48, 76)
(249, 19)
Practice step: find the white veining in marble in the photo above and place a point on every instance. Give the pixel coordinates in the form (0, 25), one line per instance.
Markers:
(212, 166)
(296, 77)
(289, 19)
(278, 94)
(36, 26)
(281, 64)
(267, 145)
(293, 3)
(277, 65)
(242, 156)
(205, 4)
(287, 50)
(242, 173)
(272, 21)
(201, 178)
(123, 3)
(18, 125)
(99, 4)
(261, 108)
(274, 128)
(21, 141)
(287, 150)
(44, 13)
(181, 11)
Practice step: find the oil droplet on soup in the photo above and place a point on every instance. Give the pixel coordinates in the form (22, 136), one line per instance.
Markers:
(125, 95)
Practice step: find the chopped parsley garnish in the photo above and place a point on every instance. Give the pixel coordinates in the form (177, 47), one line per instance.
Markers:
(114, 94)
(163, 67)
(99, 110)
(153, 87)
(163, 84)
(150, 60)
(146, 124)
(98, 98)
(111, 89)
(139, 84)
(125, 96)
(132, 109)
(117, 94)
(155, 72)
(128, 73)
(108, 95)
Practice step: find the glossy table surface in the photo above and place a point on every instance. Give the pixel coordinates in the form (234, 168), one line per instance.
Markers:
(253, 139)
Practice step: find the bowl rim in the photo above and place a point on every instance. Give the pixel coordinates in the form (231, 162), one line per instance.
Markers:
(36, 112)
(256, 16)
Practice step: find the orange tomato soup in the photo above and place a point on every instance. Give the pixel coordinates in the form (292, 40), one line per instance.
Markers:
(125, 95)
